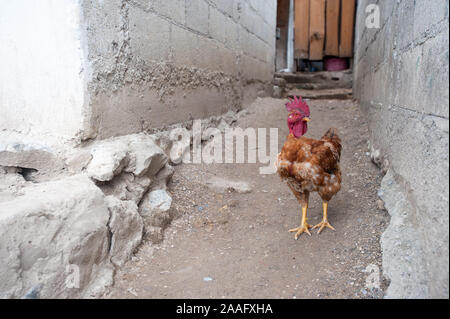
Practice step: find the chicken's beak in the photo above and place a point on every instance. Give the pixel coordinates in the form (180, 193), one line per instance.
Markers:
(306, 119)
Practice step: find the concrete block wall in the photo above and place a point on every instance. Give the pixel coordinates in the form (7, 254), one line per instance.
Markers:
(137, 64)
(401, 75)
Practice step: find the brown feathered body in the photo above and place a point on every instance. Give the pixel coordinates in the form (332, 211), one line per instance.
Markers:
(309, 165)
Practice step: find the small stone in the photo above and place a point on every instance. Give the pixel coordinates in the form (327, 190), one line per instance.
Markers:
(126, 227)
(147, 157)
(380, 205)
(261, 94)
(77, 162)
(31, 156)
(108, 160)
(33, 293)
(277, 92)
(279, 82)
(180, 147)
(156, 201)
(154, 234)
(222, 185)
(133, 292)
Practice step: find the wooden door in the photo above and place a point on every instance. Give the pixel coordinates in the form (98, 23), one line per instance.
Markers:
(324, 27)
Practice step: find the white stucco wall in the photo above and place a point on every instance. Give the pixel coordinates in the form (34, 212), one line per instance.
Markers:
(41, 72)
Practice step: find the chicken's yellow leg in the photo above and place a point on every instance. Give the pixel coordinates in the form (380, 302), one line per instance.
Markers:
(324, 223)
(304, 227)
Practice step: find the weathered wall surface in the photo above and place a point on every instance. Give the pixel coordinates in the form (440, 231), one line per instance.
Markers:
(94, 69)
(401, 79)
(161, 62)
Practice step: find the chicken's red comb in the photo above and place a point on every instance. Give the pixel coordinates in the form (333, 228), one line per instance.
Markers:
(297, 103)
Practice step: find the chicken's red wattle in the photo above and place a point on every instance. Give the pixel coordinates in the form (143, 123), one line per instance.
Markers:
(300, 129)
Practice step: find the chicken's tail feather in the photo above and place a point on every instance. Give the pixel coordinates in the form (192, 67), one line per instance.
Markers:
(332, 136)
(332, 132)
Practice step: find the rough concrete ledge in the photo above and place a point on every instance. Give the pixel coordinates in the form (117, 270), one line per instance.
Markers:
(63, 235)
(403, 260)
(54, 240)
(340, 79)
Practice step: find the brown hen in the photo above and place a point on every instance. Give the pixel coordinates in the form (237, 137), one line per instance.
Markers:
(309, 165)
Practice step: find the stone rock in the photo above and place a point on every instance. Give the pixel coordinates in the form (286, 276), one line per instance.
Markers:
(31, 156)
(127, 187)
(230, 117)
(154, 234)
(161, 179)
(222, 185)
(159, 219)
(9, 170)
(146, 156)
(279, 82)
(108, 160)
(155, 207)
(11, 183)
(261, 94)
(77, 162)
(66, 233)
(33, 293)
(126, 227)
(223, 125)
(380, 205)
(137, 154)
(376, 156)
(180, 147)
(385, 166)
(157, 201)
(55, 235)
(277, 92)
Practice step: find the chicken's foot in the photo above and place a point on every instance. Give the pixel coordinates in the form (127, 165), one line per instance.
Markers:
(324, 223)
(304, 227)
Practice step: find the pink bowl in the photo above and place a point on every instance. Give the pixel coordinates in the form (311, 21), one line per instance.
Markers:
(335, 64)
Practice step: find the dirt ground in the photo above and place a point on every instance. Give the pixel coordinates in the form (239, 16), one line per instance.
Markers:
(237, 245)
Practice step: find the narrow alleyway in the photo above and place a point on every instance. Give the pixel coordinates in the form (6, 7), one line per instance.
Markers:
(236, 245)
